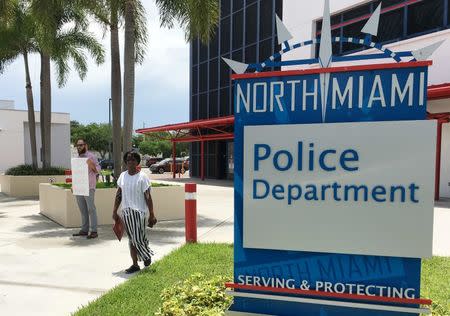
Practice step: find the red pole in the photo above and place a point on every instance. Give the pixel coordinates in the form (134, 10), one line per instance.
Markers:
(174, 152)
(202, 160)
(68, 174)
(190, 212)
(437, 177)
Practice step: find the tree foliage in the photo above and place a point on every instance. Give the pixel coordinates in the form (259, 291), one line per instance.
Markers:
(97, 136)
(159, 143)
(198, 18)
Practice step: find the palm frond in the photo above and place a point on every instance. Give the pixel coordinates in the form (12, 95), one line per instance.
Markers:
(140, 32)
(198, 18)
(72, 44)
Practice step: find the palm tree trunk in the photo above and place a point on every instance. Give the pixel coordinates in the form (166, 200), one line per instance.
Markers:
(129, 74)
(116, 94)
(31, 119)
(46, 110)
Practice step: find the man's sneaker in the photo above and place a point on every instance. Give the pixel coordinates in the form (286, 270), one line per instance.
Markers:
(80, 233)
(148, 262)
(132, 269)
(92, 235)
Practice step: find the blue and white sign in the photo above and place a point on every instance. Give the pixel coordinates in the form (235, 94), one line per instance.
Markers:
(334, 182)
(327, 208)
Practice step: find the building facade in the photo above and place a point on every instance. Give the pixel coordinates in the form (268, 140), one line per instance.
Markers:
(15, 138)
(246, 33)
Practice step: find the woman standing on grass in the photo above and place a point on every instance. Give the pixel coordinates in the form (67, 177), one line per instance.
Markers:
(134, 194)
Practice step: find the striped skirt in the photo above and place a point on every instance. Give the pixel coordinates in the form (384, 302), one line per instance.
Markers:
(135, 223)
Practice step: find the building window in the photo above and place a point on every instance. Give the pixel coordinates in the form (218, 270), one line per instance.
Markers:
(237, 4)
(265, 51)
(391, 26)
(194, 82)
(251, 24)
(214, 45)
(225, 73)
(203, 52)
(213, 74)
(237, 55)
(225, 35)
(213, 106)
(195, 51)
(203, 106)
(224, 101)
(225, 7)
(203, 77)
(238, 29)
(421, 17)
(194, 107)
(425, 16)
(265, 18)
(250, 54)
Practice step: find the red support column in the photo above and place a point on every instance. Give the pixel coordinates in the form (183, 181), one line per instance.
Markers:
(190, 210)
(202, 160)
(437, 177)
(174, 153)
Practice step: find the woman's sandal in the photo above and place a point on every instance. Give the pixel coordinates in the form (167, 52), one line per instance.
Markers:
(132, 269)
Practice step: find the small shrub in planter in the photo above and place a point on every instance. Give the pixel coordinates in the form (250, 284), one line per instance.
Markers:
(28, 170)
(105, 185)
(196, 296)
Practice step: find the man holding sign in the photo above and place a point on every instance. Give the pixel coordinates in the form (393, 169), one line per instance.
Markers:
(84, 188)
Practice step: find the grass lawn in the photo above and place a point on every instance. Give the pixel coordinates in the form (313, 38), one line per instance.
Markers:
(436, 284)
(141, 294)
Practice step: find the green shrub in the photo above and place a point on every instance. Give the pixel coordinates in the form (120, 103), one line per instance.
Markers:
(196, 296)
(28, 170)
(105, 185)
(100, 185)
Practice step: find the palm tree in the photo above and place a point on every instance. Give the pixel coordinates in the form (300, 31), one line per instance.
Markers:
(198, 18)
(134, 50)
(7, 8)
(18, 40)
(116, 85)
(109, 14)
(62, 36)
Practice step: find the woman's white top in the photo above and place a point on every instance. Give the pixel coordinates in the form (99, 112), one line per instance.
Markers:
(133, 188)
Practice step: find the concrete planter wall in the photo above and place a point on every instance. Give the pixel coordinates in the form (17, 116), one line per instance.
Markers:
(60, 205)
(25, 186)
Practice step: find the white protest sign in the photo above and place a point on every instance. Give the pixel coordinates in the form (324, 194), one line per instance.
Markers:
(80, 176)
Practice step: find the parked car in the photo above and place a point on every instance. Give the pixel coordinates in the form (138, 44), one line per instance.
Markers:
(164, 165)
(152, 160)
(107, 164)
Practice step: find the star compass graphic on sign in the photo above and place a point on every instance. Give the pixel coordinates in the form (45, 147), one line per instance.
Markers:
(325, 56)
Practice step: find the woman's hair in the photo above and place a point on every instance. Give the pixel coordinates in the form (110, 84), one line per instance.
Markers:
(134, 154)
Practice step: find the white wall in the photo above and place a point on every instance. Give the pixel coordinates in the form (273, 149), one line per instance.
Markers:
(7, 104)
(15, 139)
(439, 106)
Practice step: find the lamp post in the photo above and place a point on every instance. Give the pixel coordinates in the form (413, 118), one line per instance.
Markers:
(110, 144)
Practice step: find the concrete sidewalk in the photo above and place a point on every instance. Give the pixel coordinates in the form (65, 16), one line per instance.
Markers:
(45, 271)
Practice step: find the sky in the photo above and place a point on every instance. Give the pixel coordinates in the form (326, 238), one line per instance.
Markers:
(162, 81)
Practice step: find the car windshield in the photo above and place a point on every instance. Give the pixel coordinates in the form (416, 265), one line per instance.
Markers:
(166, 160)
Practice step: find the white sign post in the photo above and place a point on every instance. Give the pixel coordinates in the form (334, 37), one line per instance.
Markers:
(80, 176)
